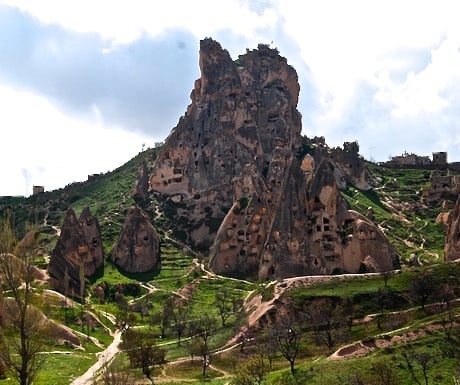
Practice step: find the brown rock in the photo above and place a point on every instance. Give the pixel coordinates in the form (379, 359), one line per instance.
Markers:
(79, 245)
(92, 232)
(452, 247)
(239, 180)
(138, 247)
(141, 185)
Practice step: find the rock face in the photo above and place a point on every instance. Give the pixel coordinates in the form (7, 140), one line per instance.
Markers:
(78, 246)
(239, 179)
(138, 247)
(141, 185)
(452, 248)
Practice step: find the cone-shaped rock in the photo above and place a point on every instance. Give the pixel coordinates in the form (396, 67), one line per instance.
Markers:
(71, 253)
(138, 247)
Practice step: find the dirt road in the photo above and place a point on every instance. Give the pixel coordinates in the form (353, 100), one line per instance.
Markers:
(104, 357)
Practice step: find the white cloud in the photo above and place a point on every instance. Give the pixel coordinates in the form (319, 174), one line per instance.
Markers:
(378, 70)
(125, 21)
(42, 146)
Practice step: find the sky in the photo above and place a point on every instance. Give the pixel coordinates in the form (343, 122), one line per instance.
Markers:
(86, 85)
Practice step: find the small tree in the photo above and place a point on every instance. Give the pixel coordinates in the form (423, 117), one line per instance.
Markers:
(422, 287)
(252, 373)
(143, 353)
(163, 318)
(179, 322)
(328, 322)
(205, 327)
(223, 304)
(23, 331)
(287, 335)
(384, 374)
(423, 360)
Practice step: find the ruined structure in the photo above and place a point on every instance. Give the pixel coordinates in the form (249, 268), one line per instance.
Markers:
(138, 247)
(452, 247)
(78, 250)
(238, 178)
(444, 184)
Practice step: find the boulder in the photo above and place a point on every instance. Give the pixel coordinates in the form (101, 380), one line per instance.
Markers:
(138, 247)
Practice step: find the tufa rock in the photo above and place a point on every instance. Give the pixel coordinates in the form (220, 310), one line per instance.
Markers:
(138, 247)
(242, 183)
(141, 185)
(92, 232)
(79, 247)
(452, 247)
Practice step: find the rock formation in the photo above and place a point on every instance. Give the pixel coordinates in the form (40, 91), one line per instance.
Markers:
(240, 180)
(138, 247)
(452, 247)
(92, 232)
(141, 185)
(79, 246)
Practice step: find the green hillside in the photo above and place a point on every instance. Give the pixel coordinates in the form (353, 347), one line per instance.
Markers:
(395, 328)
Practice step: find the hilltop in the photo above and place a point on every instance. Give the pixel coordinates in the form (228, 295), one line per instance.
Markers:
(257, 230)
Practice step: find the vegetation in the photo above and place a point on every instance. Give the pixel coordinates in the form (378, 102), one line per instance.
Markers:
(182, 324)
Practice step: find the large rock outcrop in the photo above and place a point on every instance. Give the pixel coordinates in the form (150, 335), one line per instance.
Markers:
(452, 247)
(79, 247)
(138, 247)
(240, 180)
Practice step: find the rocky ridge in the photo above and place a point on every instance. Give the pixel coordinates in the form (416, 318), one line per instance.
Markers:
(239, 179)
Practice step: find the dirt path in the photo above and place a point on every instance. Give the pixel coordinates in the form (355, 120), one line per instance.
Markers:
(103, 358)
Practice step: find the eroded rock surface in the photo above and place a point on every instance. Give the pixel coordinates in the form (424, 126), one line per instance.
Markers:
(79, 246)
(138, 247)
(141, 184)
(452, 248)
(240, 180)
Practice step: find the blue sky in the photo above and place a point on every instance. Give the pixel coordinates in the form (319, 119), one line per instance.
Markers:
(85, 84)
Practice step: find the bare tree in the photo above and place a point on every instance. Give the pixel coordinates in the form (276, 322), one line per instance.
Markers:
(23, 330)
(205, 327)
(287, 335)
(423, 360)
(223, 304)
(423, 287)
(179, 322)
(328, 322)
(163, 318)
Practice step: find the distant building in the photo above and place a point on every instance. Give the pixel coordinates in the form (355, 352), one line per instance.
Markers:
(93, 177)
(38, 190)
(440, 158)
(159, 144)
(410, 159)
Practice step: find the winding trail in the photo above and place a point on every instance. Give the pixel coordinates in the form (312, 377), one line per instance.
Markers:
(103, 358)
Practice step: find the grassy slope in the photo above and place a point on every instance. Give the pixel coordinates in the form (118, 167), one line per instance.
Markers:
(109, 196)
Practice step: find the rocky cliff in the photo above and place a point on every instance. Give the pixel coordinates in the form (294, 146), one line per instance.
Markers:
(138, 247)
(240, 180)
(79, 247)
(452, 248)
